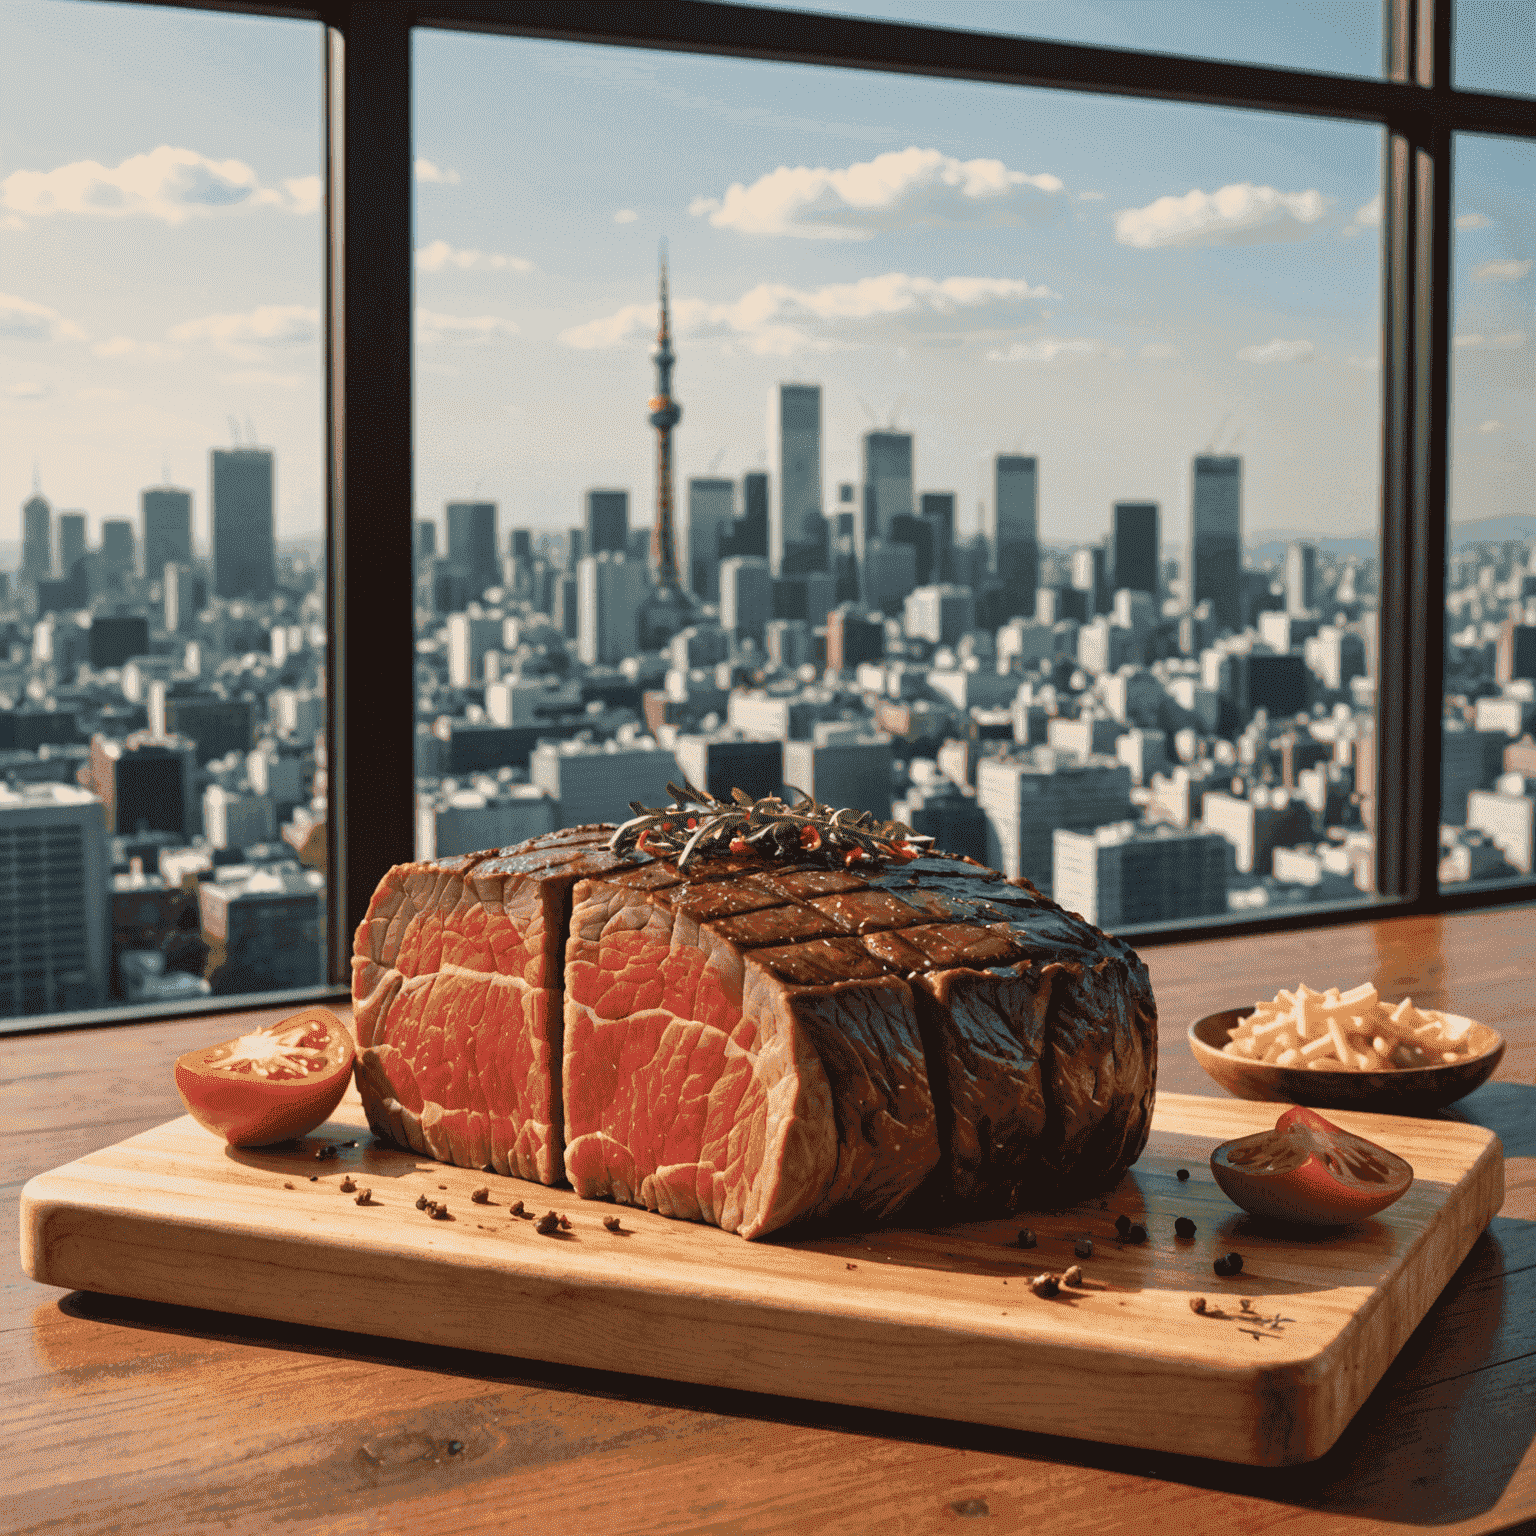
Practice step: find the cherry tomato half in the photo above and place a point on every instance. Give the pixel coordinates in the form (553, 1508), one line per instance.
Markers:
(270, 1085)
(1310, 1170)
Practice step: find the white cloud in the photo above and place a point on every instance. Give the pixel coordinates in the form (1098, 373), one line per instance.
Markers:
(427, 171)
(893, 191)
(249, 337)
(25, 391)
(1240, 214)
(22, 320)
(111, 395)
(10, 221)
(1277, 351)
(433, 328)
(167, 183)
(264, 378)
(1506, 341)
(774, 318)
(438, 255)
(625, 216)
(1500, 271)
(1047, 349)
(1160, 352)
(126, 346)
(1367, 216)
(1491, 426)
(1473, 221)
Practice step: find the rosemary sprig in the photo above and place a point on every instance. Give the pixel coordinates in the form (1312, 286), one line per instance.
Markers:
(697, 824)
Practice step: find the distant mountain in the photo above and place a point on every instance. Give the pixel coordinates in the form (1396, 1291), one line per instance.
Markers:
(1269, 543)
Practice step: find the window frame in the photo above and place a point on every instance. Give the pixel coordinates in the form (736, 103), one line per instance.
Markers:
(369, 208)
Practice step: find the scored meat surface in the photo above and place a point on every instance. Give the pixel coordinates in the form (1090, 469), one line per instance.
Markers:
(754, 1041)
(457, 987)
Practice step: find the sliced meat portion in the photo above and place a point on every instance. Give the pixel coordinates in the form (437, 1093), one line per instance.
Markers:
(761, 1043)
(458, 971)
(742, 1067)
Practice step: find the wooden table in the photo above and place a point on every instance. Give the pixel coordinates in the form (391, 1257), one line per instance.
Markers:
(123, 1416)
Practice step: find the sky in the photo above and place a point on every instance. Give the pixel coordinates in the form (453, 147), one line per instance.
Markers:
(1111, 285)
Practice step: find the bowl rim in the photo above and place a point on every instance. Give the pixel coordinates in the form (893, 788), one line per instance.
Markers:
(1395, 1074)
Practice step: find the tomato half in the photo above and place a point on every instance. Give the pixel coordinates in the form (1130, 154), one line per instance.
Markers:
(270, 1085)
(1310, 1170)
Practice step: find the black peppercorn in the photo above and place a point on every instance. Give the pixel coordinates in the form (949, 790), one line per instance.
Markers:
(1182, 1175)
(439, 1213)
(612, 1223)
(287, 1185)
(481, 1196)
(1228, 1264)
(1083, 1247)
(548, 1224)
(1072, 1276)
(1026, 1238)
(1136, 1234)
(516, 1208)
(422, 1202)
(1122, 1225)
(1045, 1285)
(348, 1184)
(314, 1178)
(1184, 1227)
(1197, 1303)
(363, 1196)
(455, 1446)
(565, 1222)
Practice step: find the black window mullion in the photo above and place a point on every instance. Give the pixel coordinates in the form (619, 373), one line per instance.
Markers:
(1415, 436)
(371, 661)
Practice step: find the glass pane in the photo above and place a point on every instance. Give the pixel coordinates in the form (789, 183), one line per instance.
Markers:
(1341, 36)
(1496, 45)
(1026, 476)
(160, 437)
(1489, 770)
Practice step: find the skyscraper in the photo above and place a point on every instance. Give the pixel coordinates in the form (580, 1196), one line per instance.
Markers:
(750, 536)
(1011, 526)
(472, 543)
(1136, 546)
(938, 507)
(711, 512)
(887, 481)
(794, 449)
(167, 528)
(665, 415)
(605, 517)
(36, 538)
(241, 513)
(1213, 568)
(118, 557)
(1300, 578)
(71, 544)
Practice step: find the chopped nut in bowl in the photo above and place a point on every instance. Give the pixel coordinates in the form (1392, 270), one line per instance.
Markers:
(1346, 1050)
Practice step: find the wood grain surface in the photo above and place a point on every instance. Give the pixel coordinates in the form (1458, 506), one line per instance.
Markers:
(135, 1416)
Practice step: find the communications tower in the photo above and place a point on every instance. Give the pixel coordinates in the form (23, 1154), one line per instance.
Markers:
(665, 414)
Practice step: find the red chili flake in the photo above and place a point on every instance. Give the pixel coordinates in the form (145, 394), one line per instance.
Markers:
(666, 826)
(855, 856)
(641, 841)
(810, 838)
(739, 845)
(692, 823)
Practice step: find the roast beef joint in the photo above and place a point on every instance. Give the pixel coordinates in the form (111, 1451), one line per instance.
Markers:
(755, 1039)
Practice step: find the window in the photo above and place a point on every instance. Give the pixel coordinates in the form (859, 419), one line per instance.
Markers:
(160, 408)
(440, 320)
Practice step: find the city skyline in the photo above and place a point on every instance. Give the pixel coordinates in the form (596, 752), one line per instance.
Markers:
(985, 254)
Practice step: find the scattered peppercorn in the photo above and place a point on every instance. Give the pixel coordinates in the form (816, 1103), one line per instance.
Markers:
(1026, 1238)
(516, 1207)
(455, 1446)
(548, 1224)
(1045, 1285)
(1184, 1227)
(422, 1202)
(349, 1143)
(1137, 1233)
(850, 1266)
(612, 1223)
(326, 1151)
(286, 1185)
(565, 1223)
(1197, 1303)
(1228, 1264)
(1083, 1247)
(481, 1196)
(1072, 1276)
(439, 1213)
(442, 1186)
(364, 1196)
(348, 1184)
(1122, 1225)
(1182, 1175)
(1244, 1304)
(314, 1178)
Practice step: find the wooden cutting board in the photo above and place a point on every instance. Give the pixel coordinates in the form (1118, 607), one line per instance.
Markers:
(938, 1321)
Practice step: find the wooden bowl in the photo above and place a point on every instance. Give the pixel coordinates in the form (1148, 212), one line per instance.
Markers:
(1403, 1091)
